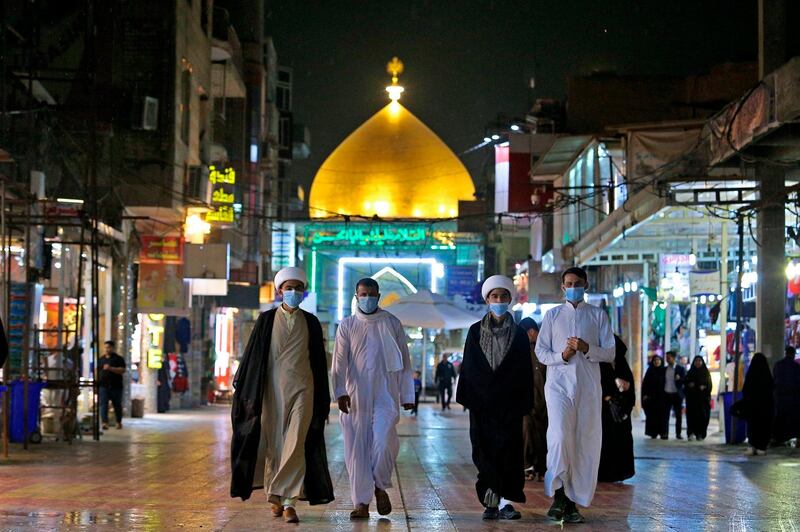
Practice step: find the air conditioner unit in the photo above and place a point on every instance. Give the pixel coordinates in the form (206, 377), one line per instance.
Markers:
(149, 113)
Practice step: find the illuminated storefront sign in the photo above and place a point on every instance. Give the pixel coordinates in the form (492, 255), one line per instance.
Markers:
(155, 329)
(223, 195)
(161, 249)
(353, 235)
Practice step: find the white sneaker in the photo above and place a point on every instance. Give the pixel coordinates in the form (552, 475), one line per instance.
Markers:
(691, 437)
(750, 451)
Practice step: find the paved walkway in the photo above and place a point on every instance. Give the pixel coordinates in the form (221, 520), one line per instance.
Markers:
(170, 472)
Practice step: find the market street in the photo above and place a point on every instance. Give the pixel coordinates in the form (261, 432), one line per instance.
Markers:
(171, 472)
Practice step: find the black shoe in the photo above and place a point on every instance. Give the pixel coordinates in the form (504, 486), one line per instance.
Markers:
(572, 515)
(556, 511)
(490, 514)
(679, 437)
(508, 512)
(664, 437)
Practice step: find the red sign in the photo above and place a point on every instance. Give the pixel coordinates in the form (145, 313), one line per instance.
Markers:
(161, 249)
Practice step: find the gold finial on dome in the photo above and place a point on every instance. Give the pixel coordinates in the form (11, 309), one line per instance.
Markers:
(394, 67)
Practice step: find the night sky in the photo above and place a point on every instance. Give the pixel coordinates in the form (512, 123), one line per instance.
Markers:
(467, 61)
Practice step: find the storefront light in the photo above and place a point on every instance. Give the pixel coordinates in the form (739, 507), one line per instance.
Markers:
(792, 270)
(627, 287)
(692, 259)
(634, 286)
(703, 300)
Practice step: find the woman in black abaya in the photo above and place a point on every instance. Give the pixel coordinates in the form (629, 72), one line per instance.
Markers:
(619, 396)
(698, 399)
(654, 398)
(759, 404)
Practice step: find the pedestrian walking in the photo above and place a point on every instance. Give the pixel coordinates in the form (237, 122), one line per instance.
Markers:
(574, 338)
(654, 398)
(372, 376)
(674, 380)
(787, 398)
(534, 423)
(758, 404)
(417, 391)
(496, 385)
(698, 400)
(445, 378)
(619, 397)
(280, 405)
(112, 368)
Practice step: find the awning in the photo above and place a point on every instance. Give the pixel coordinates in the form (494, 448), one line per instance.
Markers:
(557, 160)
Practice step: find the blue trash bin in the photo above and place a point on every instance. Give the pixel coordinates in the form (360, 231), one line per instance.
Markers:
(16, 429)
(738, 433)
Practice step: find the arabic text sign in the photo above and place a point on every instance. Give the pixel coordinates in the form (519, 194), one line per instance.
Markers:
(161, 249)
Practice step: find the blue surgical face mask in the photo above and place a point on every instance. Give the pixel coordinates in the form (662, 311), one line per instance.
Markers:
(498, 309)
(368, 304)
(292, 298)
(574, 294)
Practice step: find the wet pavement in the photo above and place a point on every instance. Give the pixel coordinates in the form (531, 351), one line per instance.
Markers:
(170, 472)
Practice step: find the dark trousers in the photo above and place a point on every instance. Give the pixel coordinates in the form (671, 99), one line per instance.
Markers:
(416, 403)
(674, 403)
(115, 396)
(445, 398)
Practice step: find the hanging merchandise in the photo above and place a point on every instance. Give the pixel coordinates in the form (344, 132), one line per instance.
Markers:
(179, 372)
(794, 286)
(659, 318)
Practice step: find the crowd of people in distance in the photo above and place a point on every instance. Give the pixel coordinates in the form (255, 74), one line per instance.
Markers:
(769, 400)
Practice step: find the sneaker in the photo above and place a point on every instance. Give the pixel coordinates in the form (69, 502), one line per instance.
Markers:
(750, 451)
(664, 437)
(490, 514)
(759, 452)
(556, 511)
(382, 502)
(679, 437)
(508, 512)
(572, 515)
(690, 437)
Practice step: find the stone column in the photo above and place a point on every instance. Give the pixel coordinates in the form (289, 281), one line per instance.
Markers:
(771, 286)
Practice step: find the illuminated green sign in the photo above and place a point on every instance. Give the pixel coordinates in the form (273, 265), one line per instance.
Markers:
(365, 236)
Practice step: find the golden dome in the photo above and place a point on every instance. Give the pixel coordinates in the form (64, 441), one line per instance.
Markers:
(394, 166)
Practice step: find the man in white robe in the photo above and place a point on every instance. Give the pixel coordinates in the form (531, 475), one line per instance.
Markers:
(372, 376)
(574, 338)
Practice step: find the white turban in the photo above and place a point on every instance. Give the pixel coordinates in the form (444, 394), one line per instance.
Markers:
(498, 281)
(290, 274)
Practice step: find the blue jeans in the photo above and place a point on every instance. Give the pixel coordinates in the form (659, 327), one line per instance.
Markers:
(115, 396)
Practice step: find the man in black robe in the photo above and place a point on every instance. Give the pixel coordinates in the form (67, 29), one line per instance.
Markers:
(619, 396)
(496, 385)
(787, 398)
(534, 424)
(246, 412)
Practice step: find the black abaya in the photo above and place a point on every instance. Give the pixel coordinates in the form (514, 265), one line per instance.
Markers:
(534, 424)
(759, 402)
(654, 399)
(497, 401)
(787, 399)
(616, 455)
(698, 400)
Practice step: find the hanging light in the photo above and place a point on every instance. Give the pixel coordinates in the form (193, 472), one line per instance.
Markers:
(634, 286)
(703, 300)
(692, 258)
(627, 287)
